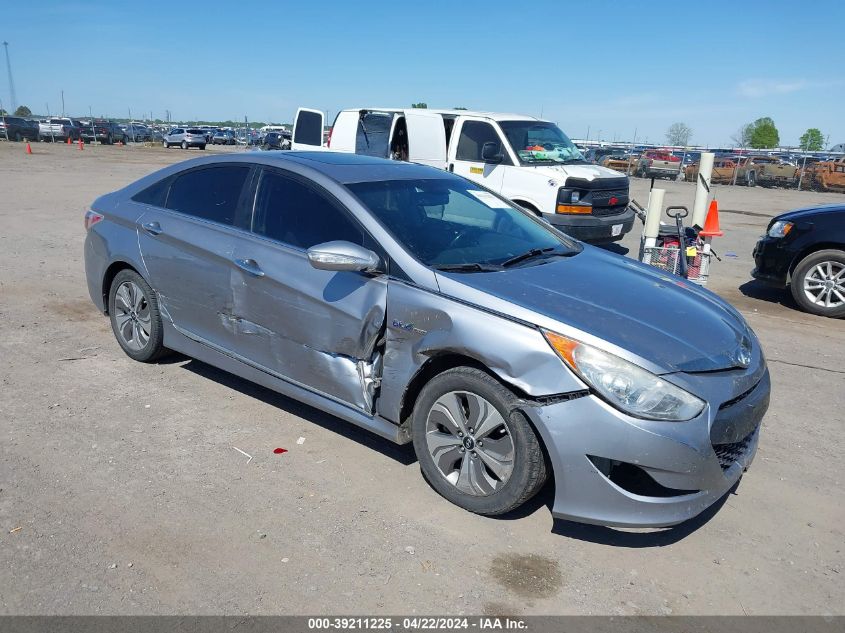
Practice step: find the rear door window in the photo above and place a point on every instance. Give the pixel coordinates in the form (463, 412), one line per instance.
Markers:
(210, 193)
(289, 211)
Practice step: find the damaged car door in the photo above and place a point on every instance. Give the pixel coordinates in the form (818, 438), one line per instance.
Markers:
(187, 236)
(320, 329)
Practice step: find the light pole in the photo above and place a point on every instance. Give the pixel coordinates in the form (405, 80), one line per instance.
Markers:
(11, 82)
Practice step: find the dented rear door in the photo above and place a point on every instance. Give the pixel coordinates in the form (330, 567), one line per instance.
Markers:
(320, 329)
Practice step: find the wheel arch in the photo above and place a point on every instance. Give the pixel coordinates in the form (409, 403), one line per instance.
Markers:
(526, 204)
(108, 276)
(813, 248)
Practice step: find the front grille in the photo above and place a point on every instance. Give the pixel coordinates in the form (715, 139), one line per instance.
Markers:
(728, 454)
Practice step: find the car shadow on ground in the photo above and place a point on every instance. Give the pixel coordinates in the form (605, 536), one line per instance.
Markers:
(404, 454)
(754, 289)
(657, 537)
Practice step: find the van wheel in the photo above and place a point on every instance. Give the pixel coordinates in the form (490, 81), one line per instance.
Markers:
(474, 448)
(818, 283)
(135, 317)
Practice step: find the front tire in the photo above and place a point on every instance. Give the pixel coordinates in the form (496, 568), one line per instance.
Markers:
(135, 317)
(818, 283)
(475, 449)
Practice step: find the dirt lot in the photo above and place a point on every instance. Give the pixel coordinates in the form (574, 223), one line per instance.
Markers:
(131, 498)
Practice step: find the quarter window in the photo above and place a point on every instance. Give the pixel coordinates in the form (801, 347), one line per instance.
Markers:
(474, 134)
(211, 193)
(288, 211)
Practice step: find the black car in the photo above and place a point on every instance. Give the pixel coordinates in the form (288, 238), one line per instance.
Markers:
(17, 129)
(805, 250)
(276, 140)
(103, 130)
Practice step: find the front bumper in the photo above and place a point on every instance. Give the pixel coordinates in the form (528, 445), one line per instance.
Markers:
(693, 463)
(593, 228)
(772, 262)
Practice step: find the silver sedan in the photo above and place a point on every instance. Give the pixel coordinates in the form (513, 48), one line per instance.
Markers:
(418, 305)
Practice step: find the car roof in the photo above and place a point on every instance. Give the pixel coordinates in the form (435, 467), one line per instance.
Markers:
(348, 168)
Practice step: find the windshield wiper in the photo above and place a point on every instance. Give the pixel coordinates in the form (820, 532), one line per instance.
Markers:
(531, 254)
(473, 267)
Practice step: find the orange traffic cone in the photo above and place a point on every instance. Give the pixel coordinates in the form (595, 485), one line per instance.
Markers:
(69, 141)
(711, 224)
(28, 148)
(80, 144)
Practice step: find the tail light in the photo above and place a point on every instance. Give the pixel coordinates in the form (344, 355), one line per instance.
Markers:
(91, 218)
(329, 140)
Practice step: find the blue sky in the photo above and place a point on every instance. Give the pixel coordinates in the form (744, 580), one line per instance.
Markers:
(610, 67)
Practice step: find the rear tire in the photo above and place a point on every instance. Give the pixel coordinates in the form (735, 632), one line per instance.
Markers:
(135, 317)
(202, 146)
(751, 179)
(184, 145)
(819, 278)
(17, 137)
(488, 480)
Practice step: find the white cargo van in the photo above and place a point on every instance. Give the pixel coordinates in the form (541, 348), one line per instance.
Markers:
(527, 160)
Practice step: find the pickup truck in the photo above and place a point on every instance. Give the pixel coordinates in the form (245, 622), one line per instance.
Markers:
(529, 161)
(58, 129)
(723, 171)
(659, 164)
(766, 171)
(826, 175)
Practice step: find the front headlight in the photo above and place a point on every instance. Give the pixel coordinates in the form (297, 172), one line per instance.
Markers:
(780, 229)
(626, 386)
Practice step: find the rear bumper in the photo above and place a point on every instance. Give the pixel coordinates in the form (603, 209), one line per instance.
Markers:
(593, 228)
(686, 466)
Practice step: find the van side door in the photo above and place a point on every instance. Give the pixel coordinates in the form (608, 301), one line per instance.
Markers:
(466, 152)
(426, 138)
(308, 129)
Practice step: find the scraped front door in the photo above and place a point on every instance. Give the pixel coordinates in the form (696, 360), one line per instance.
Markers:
(317, 328)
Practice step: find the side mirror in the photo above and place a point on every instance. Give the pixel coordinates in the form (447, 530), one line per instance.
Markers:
(342, 256)
(490, 153)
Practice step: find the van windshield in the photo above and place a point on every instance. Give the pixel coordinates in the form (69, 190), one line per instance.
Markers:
(452, 224)
(540, 142)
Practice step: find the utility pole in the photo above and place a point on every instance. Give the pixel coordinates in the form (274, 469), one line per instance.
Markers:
(63, 103)
(11, 82)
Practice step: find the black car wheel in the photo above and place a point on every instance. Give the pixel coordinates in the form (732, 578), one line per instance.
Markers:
(18, 137)
(751, 179)
(818, 283)
(135, 317)
(474, 447)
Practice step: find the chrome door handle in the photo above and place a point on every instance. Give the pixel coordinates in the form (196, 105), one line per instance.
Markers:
(250, 266)
(153, 228)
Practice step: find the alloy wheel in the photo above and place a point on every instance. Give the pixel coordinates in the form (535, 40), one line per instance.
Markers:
(824, 284)
(470, 443)
(132, 315)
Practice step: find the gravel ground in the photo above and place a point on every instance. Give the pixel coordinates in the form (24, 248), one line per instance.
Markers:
(122, 492)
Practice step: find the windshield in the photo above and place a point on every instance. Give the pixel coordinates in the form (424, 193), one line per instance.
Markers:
(450, 223)
(540, 142)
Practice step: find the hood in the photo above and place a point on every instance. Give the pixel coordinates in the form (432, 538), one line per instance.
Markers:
(586, 171)
(665, 320)
(810, 212)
